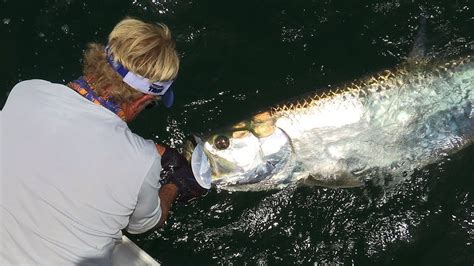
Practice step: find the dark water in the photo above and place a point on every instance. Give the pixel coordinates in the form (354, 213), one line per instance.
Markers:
(241, 56)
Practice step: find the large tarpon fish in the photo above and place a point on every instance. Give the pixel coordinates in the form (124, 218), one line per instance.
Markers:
(392, 123)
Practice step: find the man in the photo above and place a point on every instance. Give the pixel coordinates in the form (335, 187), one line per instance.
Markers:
(73, 175)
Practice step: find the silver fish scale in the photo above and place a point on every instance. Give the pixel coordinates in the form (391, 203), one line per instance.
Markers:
(386, 125)
(394, 122)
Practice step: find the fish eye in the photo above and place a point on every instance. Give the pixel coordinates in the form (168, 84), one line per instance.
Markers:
(221, 142)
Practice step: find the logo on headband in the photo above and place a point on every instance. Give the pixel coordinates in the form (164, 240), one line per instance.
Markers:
(136, 81)
(155, 88)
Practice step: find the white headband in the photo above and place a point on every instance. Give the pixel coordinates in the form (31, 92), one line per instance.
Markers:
(142, 84)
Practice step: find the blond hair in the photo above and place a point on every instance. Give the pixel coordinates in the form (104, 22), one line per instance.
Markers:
(143, 48)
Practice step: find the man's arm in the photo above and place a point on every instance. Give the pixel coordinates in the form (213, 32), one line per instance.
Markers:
(177, 182)
(177, 170)
(168, 194)
(154, 200)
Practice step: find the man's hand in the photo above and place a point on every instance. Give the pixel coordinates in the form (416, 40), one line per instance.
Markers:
(176, 170)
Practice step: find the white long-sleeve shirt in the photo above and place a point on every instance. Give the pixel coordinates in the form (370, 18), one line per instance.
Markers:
(72, 176)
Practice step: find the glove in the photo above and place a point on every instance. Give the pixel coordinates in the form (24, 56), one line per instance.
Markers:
(176, 170)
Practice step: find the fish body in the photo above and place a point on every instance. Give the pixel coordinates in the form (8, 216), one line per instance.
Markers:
(392, 122)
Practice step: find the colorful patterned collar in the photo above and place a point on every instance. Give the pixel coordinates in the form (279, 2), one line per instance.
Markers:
(83, 87)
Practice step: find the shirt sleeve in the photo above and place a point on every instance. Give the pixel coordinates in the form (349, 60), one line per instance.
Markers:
(147, 213)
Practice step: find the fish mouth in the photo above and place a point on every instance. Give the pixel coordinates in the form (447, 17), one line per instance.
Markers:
(194, 153)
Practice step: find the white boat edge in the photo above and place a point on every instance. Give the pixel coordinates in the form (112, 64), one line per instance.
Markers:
(127, 253)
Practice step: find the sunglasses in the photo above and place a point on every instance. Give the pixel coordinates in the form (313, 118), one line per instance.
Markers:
(153, 103)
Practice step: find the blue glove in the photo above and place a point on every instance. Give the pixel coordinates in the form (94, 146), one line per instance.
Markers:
(177, 170)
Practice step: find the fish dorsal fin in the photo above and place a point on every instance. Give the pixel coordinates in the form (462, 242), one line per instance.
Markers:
(417, 54)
